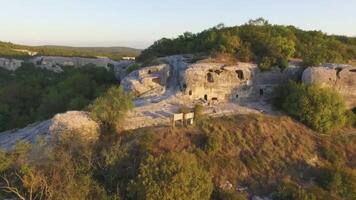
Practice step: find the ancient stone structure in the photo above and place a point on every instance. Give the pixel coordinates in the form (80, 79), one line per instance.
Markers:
(147, 81)
(342, 78)
(208, 81)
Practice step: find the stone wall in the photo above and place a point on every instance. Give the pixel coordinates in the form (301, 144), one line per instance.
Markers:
(215, 81)
(149, 81)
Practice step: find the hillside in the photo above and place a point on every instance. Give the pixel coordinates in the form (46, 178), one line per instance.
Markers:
(236, 157)
(115, 53)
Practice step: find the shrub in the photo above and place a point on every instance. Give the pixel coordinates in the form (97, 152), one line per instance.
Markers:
(132, 68)
(111, 108)
(338, 181)
(221, 194)
(213, 143)
(198, 112)
(289, 191)
(321, 109)
(171, 176)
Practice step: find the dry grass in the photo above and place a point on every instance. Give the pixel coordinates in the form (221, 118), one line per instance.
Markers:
(255, 150)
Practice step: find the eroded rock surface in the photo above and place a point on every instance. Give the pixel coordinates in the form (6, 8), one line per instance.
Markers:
(10, 64)
(342, 78)
(74, 122)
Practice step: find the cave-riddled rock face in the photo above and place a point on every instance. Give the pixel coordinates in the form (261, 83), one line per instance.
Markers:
(341, 78)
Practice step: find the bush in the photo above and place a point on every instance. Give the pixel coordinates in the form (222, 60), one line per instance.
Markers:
(132, 68)
(321, 109)
(171, 176)
(198, 112)
(111, 108)
(338, 181)
(221, 194)
(289, 191)
(213, 143)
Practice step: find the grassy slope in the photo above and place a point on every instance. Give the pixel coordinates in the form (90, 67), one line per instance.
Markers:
(256, 151)
(51, 50)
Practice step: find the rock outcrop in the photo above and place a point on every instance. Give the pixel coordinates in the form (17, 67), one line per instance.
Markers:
(148, 81)
(74, 122)
(342, 78)
(55, 63)
(208, 81)
(10, 64)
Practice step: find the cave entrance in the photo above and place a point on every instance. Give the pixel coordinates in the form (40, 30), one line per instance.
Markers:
(240, 74)
(190, 93)
(261, 92)
(210, 78)
(206, 97)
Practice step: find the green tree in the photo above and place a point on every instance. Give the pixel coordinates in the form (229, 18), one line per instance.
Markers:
(110, 109)
(171, 176)
(322, 109)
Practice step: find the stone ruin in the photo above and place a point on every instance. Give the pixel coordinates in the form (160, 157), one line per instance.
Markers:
(214, 82)
(208, 81)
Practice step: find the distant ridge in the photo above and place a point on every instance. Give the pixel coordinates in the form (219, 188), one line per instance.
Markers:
(8, 49)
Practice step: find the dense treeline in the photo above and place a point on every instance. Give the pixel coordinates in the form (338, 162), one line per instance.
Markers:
(115, 53)
(260, 42)
(31, 94)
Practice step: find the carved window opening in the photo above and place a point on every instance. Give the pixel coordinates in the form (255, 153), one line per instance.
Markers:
(157, 80)
(240, 74)
(214, 98)
(206, 97)
(190, 93)
(210, 78)
(237, 96)
(261, 92)
(149, 72)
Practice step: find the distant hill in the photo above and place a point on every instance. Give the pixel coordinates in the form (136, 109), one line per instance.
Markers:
(8, 49)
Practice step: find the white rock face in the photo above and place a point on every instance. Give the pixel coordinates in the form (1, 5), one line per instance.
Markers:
(208, 81)
(55, 63)
(342, 78)
(10, 64)
(148, 81)
(75, 122)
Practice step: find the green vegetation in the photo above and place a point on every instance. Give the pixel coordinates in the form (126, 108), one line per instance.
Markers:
(290, 191)
(171, 176)
(155, 163)
(31, 94)
(321, 109)
(111, 107)
(259, 41)
(115, 53)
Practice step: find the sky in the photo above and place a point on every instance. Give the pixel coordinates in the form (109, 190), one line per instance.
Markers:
(138, 23)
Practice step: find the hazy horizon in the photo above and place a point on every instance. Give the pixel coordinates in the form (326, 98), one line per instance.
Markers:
(138, 24)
